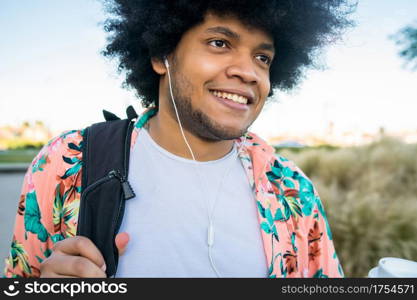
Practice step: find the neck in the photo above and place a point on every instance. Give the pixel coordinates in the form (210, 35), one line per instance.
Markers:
(165, 131)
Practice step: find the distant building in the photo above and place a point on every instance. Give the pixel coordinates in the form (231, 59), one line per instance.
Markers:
(339, 138)
(24, 135)
(288, 144)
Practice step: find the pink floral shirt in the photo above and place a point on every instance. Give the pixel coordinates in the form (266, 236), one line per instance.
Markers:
(296, 235)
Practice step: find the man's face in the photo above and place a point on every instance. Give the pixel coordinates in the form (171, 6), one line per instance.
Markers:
(220, 77)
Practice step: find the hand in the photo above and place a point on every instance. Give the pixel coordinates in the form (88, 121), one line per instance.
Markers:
(79, 257)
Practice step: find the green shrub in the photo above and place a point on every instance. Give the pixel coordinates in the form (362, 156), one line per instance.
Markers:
(370, 194)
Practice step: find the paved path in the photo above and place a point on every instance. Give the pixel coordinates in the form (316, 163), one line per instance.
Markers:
(10, 185)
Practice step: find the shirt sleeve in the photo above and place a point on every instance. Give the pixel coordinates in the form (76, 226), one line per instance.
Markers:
(323, 260)
(48, 205)
(311, 252)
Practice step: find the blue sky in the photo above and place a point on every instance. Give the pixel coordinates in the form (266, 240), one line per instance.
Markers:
(50, 63)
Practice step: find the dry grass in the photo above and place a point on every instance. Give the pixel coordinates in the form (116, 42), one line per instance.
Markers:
(370, 195)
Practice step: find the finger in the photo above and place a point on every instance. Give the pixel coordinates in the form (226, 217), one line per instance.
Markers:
(122, 239)
(71, 266)
(81, 246)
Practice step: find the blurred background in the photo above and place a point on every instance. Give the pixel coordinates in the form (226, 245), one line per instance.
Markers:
(355, 133)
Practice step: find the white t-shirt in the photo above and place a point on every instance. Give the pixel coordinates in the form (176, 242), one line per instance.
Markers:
(168, 219)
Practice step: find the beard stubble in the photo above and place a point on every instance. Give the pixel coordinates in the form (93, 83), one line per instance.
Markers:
(193, 119)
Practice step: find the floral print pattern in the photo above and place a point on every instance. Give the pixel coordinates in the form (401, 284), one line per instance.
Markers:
(296, 235)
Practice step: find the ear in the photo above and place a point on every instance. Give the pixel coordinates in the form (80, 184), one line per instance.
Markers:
(158, 66)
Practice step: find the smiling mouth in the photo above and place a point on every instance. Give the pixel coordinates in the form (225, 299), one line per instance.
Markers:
(231, 96)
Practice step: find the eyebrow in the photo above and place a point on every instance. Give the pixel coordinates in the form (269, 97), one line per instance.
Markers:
(225, 31)
(267, 46)
(233, 35)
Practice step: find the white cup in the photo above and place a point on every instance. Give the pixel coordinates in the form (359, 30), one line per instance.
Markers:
(392, 267)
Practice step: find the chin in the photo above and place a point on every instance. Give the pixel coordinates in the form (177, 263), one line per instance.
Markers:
(210, 129)
(219, 133)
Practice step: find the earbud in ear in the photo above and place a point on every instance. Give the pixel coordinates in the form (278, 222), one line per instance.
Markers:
(166, 62)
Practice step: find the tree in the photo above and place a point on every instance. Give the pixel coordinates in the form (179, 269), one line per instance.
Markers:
(407, 39)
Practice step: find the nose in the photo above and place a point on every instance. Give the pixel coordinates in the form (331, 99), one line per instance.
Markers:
(243, 67)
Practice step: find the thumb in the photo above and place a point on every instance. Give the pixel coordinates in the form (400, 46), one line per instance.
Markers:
(121, 240)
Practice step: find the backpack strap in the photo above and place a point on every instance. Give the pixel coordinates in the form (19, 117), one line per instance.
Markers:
(104, 184)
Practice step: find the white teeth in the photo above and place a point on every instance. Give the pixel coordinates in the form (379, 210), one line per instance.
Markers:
(233, 97)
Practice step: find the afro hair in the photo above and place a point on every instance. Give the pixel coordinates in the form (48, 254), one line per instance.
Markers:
(142, 29)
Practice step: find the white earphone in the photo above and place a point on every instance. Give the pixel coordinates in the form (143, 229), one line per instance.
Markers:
(210, 229)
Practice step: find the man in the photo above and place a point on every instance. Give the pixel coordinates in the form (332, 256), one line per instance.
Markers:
(211, 198)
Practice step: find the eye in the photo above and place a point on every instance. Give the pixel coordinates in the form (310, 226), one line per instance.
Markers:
(218, 43)
(264, 58)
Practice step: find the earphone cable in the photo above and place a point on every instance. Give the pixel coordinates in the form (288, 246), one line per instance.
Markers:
(210, 229)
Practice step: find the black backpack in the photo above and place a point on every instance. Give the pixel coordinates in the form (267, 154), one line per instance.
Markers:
(104, 184)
